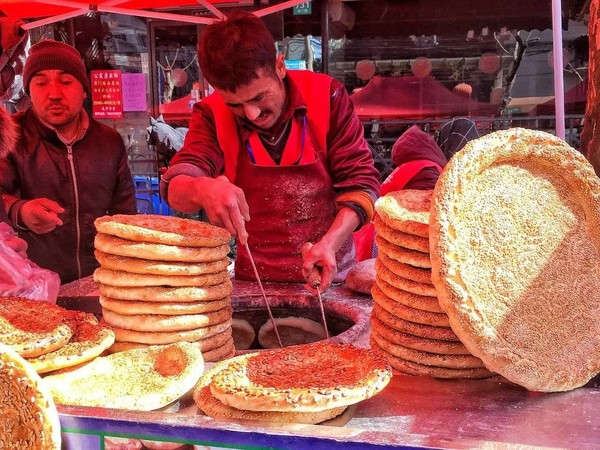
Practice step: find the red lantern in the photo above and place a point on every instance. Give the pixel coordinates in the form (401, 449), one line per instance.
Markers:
(365, 69)
(420, 67)
(463, 89)
(179, 77)
(489, 62)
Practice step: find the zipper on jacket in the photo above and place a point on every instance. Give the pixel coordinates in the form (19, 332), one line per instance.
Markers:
(76, 190)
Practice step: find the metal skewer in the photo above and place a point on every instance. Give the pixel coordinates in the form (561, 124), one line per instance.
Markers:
(264, 295)
(315, 281)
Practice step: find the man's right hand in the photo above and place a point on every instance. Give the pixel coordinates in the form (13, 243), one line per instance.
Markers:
(224, 203)
(41, 215)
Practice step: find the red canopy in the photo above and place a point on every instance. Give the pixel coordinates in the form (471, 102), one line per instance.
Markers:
(414, 98)
(49, 11)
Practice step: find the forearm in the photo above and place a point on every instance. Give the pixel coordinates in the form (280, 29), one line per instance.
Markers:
(183, 194)
(344, 224)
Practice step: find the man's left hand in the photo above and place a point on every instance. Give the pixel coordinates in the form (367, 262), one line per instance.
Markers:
(321, 258)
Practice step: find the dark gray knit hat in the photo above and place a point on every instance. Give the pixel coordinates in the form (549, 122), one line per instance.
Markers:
(54, 55)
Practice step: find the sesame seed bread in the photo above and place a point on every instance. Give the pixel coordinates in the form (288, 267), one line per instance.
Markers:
(30, 344)
(129, 307)
(406, 210)
(163, 230)
(400, 238)
(361, 276)
(402, 254)
(167, 294)
(515, 248)
(122, 278)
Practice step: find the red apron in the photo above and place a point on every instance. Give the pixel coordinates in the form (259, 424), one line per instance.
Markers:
(289, 205)
(364, 238)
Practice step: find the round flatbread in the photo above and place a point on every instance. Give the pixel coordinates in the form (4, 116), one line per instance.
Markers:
(225, 351)
(412, 328)
(409, 299)
(169, 337)
(416, 369)
(129, 307)
(424, 289)
(137, 265)
(292, 331)
(160, 252)
(89, 340)
(214, 408)
(205, 345)
(516, 257)
(417, 342)
(243, 334)
(286, 379)
(406, 271)
(163, 230)
(115, 381)
(33, 327)
(29, 416)
(167, 294)
(361, 276)
(398, 310)
(400, 238)
(406, 210)
(154, 322)
(120, 278)
(426, 358)
(404, 255)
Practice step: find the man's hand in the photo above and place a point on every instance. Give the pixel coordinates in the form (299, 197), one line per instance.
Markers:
(41, 215)
(318, 259)
(224, 203)
(18, 245)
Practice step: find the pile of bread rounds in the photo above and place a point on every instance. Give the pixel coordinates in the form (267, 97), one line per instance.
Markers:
(164, 280)
(407, 324)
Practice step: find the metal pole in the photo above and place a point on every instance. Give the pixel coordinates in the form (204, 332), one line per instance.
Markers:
(325, 36)
(557, 52)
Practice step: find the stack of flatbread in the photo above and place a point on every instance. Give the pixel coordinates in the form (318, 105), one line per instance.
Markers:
(50, 337)
(165, 280)
(307, 383)
(407, 322)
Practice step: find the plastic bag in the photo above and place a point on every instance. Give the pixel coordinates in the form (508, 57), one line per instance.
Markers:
(21, 277)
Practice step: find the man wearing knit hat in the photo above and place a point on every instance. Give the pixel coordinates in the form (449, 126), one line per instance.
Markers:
(67, 169)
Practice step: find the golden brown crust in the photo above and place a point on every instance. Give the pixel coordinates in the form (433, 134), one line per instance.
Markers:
(404, 255)
(408, 298)
(406, 271)
(129, 307)
(406, 210)
(285, 379)
(400, 238)
(225, 351)
(29, 419)
(169, 337)
(415, 329)
(399, 310)
(134, 379)
(167, 294)
(154, 322)
(120, 278)
(424, 289)
(361, 276)
(151, 267)
(412, 368)
(515, 239)
(214, 408)
(159, 252)
(163, 230)
(30, 344)
(427, 358)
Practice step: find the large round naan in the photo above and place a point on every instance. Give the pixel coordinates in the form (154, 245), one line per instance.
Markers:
(310, 377)
(163, 230)
(28, 417)
(515, 249)
(142, 379)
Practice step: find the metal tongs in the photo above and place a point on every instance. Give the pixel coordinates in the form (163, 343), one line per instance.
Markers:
(314, 280)
(262, 291)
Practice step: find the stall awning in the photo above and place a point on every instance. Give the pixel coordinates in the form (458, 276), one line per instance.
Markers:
(48, 11)
(414, 98)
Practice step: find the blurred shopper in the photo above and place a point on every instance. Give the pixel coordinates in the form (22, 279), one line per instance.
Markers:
(8, 137)
(454, 134)
(276, 156)
(66, 170)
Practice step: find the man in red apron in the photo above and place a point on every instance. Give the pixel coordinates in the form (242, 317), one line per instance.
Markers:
(277, 157)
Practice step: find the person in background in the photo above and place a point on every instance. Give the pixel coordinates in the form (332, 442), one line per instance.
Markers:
(8, 137)
(276, 156)
(419, 161)
(66, 170)
(454, 134)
